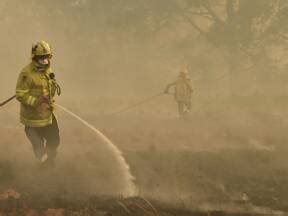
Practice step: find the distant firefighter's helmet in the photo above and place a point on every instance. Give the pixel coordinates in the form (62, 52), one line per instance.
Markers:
(41, 48)
(184, 72)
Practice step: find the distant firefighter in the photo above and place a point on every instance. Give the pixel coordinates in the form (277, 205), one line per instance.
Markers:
(35, 90)
(182, 92)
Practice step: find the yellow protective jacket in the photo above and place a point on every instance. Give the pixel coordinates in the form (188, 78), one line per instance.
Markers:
(183, 89)
(33, 83)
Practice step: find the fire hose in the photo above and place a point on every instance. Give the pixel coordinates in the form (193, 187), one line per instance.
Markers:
(7, 101)
(111, 114)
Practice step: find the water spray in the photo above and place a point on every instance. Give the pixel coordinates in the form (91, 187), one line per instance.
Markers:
(130, 188)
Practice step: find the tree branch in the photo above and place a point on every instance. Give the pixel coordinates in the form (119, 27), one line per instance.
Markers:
(212, 13)
(230, 9)
(202, 14)
(192, 22)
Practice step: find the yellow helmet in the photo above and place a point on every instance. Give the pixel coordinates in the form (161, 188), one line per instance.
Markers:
(184, 72)
(41, 48)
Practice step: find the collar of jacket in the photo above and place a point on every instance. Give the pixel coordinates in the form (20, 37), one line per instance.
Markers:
(40, 68)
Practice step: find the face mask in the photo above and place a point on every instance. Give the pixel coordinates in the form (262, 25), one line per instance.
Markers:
(44, 61)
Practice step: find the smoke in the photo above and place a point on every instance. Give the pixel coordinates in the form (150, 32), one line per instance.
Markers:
(104, 65)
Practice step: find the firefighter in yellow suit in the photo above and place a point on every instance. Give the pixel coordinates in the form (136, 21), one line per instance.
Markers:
(182, 92)
(35, 91)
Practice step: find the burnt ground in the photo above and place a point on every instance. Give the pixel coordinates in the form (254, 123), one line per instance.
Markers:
(209, 164)
(100, 206)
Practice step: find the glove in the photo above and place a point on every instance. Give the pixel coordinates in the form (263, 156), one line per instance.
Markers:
(43, 103)
(43, 99)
